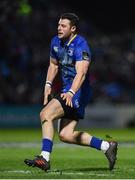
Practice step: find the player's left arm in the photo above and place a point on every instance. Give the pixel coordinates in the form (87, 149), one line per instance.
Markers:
(81, 71)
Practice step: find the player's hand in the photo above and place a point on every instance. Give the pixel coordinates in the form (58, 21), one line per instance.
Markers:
(68, 97)
(47, 92)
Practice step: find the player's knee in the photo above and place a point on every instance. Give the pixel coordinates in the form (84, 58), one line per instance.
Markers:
(44, 115)
(65, 136)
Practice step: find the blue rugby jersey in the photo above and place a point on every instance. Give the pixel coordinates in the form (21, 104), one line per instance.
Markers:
(67, 54)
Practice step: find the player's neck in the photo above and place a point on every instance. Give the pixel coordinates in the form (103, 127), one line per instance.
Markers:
(72, 36)
(69, 39)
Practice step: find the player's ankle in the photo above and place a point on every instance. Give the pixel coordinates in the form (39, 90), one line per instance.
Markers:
(46, 155)
(104, 146)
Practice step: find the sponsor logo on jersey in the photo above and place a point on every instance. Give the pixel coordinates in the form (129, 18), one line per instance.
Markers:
(77, 103)
(85, 55)
(55, 48)
(70, 52)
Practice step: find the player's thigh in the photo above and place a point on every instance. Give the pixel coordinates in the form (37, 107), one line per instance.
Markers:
(53, 110)
(66, 125)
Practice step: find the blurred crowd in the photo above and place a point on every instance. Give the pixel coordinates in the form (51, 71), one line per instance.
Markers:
(26, 28)
(113, 72)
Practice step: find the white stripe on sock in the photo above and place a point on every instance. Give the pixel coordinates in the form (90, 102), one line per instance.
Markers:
(104, 146)
(46, 155)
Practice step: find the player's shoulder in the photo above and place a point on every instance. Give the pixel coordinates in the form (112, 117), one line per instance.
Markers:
(81, 40)
(82, 43)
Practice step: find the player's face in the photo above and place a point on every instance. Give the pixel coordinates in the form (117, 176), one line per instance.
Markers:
(65, 30)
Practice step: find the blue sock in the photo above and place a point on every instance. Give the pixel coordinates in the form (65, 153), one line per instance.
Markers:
(47, 145)
(96, 143)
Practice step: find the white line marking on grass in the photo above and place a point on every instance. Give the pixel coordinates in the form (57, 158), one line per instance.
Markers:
(66, 173)
(20, 144)
(63, 172)
(62, 145)
(18, 171)
(79, 173)
(60, 172)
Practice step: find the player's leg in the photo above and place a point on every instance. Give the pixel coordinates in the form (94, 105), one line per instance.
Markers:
(68, 134)
(49, 113)
(52, 111)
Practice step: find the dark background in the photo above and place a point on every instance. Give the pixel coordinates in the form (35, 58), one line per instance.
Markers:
(26, 28)
(107, 16)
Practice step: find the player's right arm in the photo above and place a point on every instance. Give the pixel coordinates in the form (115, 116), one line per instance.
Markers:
(51, 74)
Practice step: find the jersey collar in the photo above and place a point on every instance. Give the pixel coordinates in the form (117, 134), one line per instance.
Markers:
(68, 42)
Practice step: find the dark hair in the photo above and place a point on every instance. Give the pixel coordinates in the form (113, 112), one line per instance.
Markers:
(74, 19)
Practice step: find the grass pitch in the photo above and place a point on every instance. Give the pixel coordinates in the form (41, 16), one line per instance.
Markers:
(67, 161)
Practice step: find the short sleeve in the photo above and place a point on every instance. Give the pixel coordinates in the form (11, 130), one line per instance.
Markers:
(82, 52)
(52, 50)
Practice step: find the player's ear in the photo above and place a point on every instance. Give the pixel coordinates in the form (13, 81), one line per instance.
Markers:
(73, 28)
